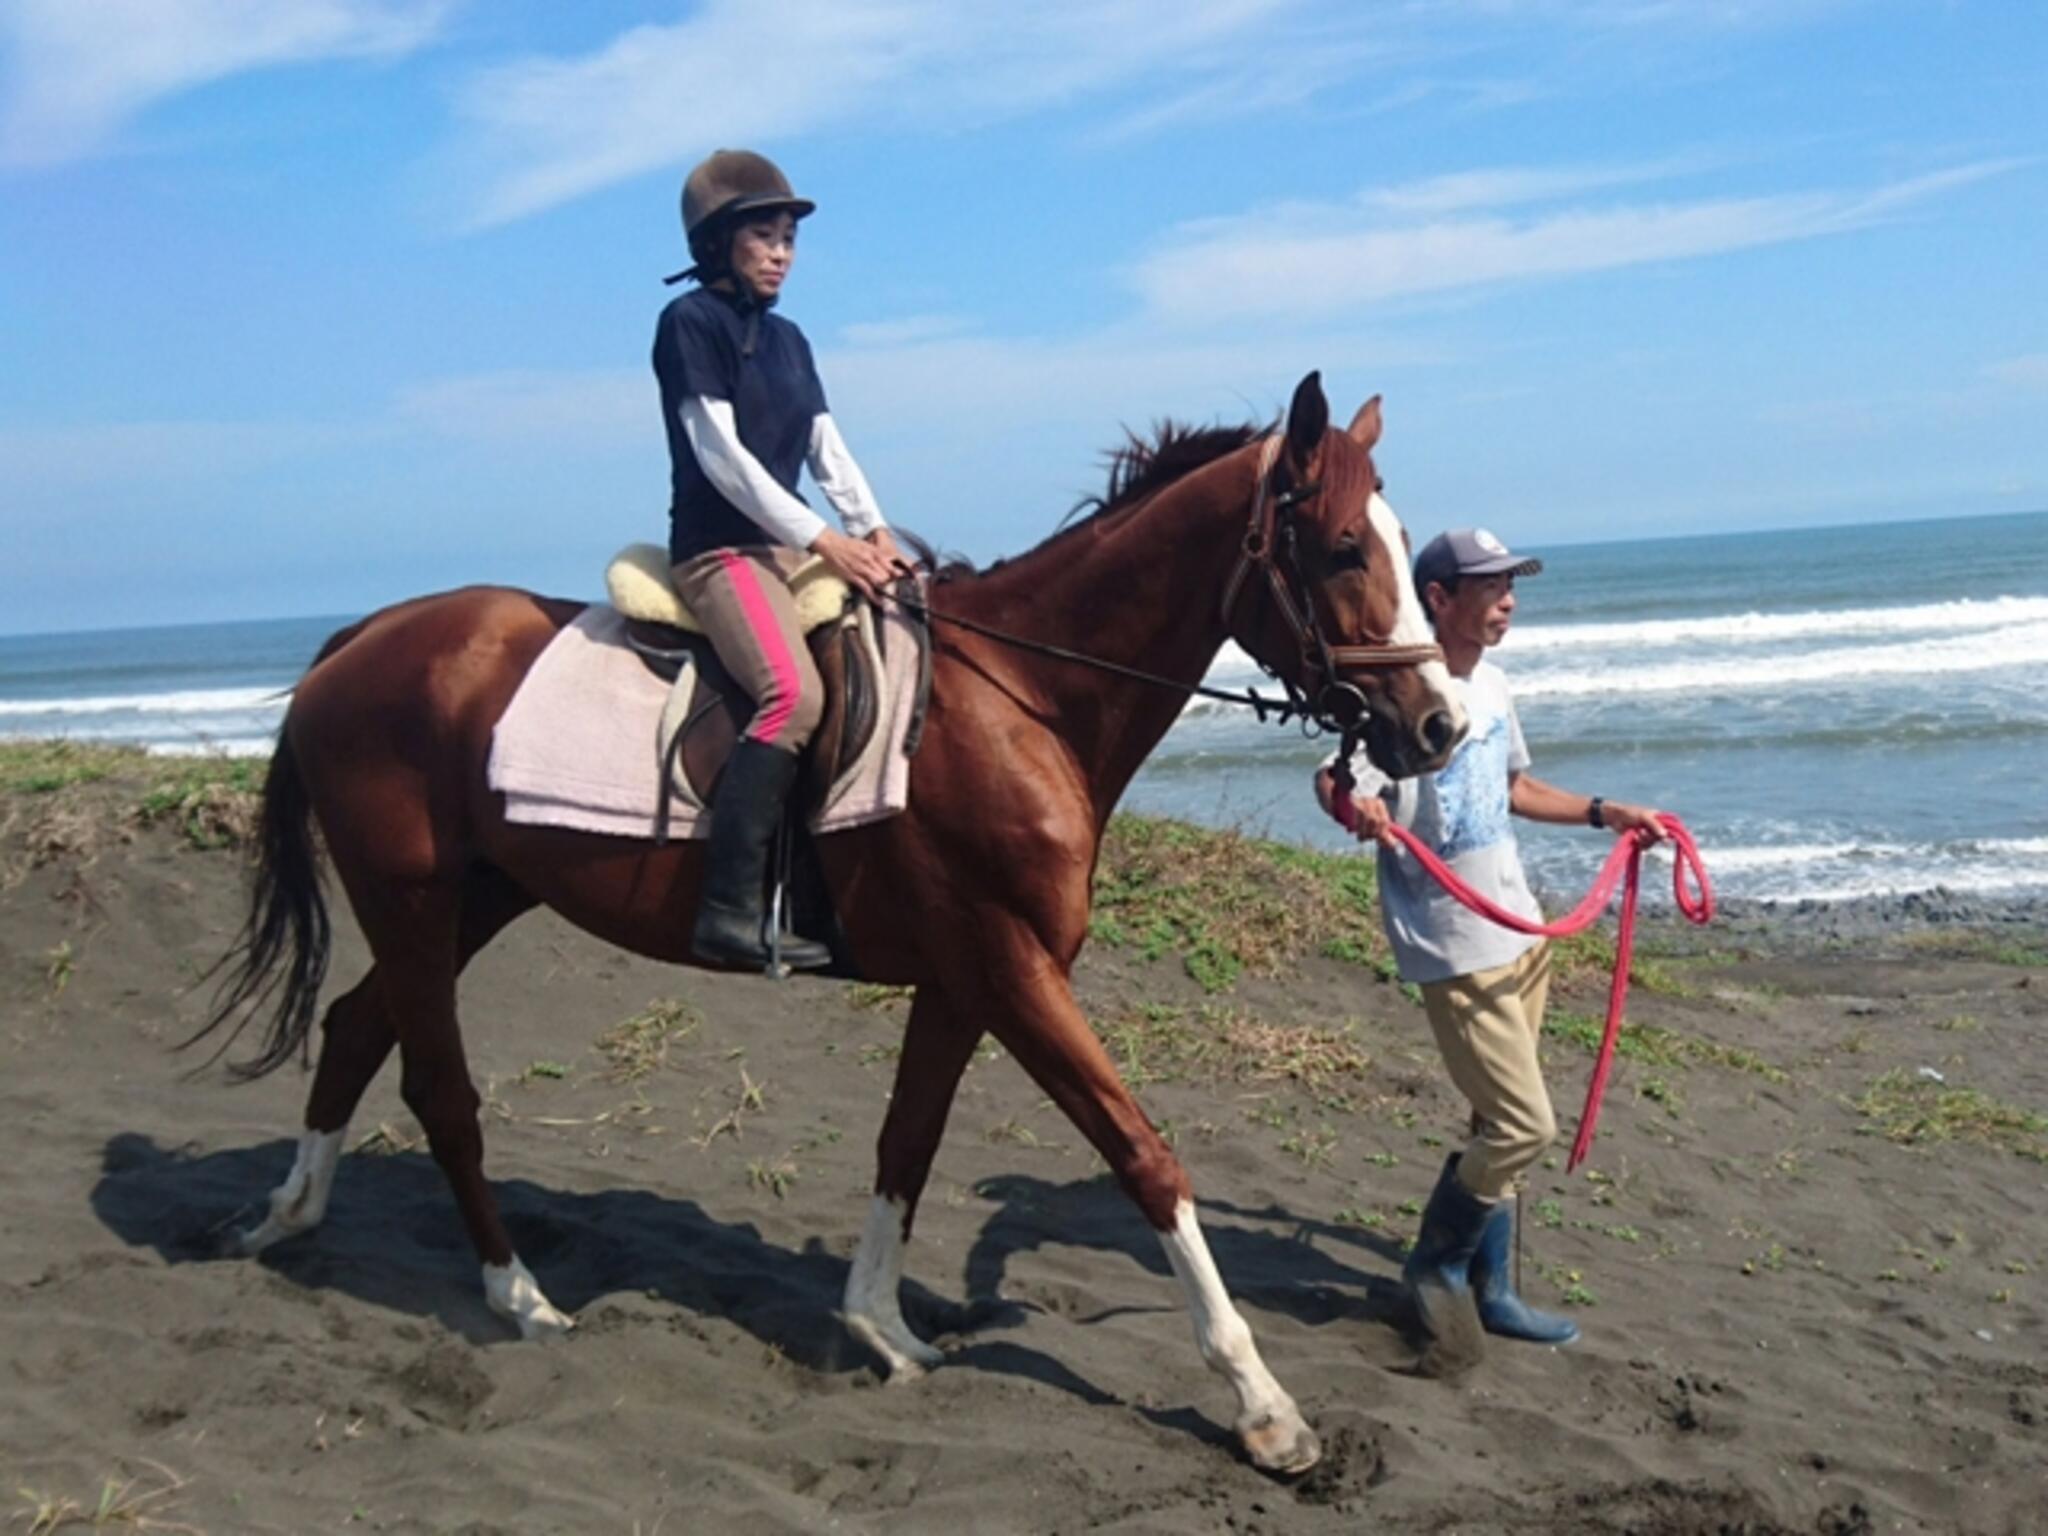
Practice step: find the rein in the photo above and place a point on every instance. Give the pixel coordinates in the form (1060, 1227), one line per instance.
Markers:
(1339, 706)
(1626, 859)
(1263, 705)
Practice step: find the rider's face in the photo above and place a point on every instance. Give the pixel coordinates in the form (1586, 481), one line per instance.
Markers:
(763, 250)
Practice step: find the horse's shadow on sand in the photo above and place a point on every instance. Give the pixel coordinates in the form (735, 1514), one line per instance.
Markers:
(391, 1238)
(1308, 1270)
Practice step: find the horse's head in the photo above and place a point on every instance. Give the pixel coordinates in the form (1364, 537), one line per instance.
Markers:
(1324, 598)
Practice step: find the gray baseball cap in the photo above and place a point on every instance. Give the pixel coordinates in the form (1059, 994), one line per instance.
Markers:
(1469, 552)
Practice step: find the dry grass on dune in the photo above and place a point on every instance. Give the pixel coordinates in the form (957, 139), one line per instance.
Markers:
(67, 802)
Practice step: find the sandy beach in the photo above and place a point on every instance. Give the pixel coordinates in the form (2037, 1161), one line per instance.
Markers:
(1807, 1254)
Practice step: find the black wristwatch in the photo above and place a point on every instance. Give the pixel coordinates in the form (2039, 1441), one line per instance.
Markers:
(1596, 813)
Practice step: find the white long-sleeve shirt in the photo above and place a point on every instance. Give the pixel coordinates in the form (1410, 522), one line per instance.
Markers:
(713, 435)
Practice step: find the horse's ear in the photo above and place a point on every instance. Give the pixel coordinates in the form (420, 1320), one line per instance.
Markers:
(1365, 426)
(1308, 418)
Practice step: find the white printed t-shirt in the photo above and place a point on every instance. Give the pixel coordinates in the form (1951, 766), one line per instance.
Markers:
(1461, 812)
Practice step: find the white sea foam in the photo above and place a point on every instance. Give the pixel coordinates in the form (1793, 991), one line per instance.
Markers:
(227, 746)
(1919, 619)
(1851, 869)
(2011, 649)
(1930, 639)
(1766, 856)
(199, 701)
(1988, 880)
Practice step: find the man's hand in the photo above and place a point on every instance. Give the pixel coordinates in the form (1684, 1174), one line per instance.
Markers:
(865, 565)
(1625, 819)
(1369, 821)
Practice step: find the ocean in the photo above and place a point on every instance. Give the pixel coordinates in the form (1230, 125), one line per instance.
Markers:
(1836, 713)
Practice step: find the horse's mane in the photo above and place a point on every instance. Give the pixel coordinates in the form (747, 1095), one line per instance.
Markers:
(1137, 468)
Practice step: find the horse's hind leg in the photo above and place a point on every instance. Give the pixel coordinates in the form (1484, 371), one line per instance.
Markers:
(356, 1038)
(414, 930)
(937, 1045)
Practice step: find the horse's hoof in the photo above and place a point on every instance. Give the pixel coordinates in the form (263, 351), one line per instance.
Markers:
(515, 1295)
(1281, 1444)
(544, 1322)
(251, 1241)
(905, 1357)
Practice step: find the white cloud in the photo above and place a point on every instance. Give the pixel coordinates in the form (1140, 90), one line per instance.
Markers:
(1508, 187)
(2029, 371)
(965, 387)
(150, 453)
(587, 410)
(919, 377)
(1304, 260)
(74, 71)
(540, 131)
(904, 330)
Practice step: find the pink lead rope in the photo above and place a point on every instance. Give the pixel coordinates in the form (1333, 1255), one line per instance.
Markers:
(1697, 905)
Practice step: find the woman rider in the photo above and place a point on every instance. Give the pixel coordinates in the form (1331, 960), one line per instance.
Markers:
(745, 413)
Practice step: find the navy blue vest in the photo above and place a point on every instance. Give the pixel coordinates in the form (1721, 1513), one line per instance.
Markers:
(701, 348)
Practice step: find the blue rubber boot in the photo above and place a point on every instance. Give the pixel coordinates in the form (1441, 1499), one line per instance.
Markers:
(1501, 1310)
(1439, 1271)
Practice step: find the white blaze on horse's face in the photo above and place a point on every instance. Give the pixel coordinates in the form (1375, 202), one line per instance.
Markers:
(1411, 623)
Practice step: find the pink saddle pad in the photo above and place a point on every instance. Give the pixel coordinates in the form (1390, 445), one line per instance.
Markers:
(578, 747)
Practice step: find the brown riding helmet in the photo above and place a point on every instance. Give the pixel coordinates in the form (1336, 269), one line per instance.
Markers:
(726, 184)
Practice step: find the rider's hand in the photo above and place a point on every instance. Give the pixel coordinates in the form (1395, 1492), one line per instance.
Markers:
(885, 541)
(865, 566)
(1633, 818)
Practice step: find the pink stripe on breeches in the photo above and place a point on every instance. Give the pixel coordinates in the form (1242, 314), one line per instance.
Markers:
(741, 599)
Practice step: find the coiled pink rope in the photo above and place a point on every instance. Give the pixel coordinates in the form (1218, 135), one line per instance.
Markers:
(1626, 860)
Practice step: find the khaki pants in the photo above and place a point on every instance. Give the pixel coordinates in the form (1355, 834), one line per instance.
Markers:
(741, 598)
(1487, 1025)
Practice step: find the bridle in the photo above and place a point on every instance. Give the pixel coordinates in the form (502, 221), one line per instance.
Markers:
(1338, 707)
(1270, 537)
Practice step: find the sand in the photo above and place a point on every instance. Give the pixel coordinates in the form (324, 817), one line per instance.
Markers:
(1793, 1322)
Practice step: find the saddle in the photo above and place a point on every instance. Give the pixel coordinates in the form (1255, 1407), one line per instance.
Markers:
(707, 711)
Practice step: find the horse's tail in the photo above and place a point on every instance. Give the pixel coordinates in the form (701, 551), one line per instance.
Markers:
(285, 942)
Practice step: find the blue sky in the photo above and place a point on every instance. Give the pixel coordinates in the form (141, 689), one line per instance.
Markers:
(308, 305)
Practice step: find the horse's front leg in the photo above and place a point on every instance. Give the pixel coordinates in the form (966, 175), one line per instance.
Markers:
(1030, 1008)
(937, 1045)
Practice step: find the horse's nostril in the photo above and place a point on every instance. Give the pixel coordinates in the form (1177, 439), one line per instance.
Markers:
(1438, 732)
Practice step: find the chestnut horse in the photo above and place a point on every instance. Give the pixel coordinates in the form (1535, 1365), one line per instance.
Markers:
(977, 895)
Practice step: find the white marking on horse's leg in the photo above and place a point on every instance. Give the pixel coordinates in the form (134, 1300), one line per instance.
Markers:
(1275, 1435)
(300, 1201)
(514, 1293)
(873, 1307)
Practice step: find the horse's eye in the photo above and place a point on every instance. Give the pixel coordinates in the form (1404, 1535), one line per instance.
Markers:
(1347, 557)
(1379, 486)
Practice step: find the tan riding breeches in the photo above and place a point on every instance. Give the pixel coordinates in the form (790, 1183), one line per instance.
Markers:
(1487, 1026)
(741, 599)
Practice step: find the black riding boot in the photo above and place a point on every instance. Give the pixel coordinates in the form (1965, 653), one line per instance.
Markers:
(732, 927)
